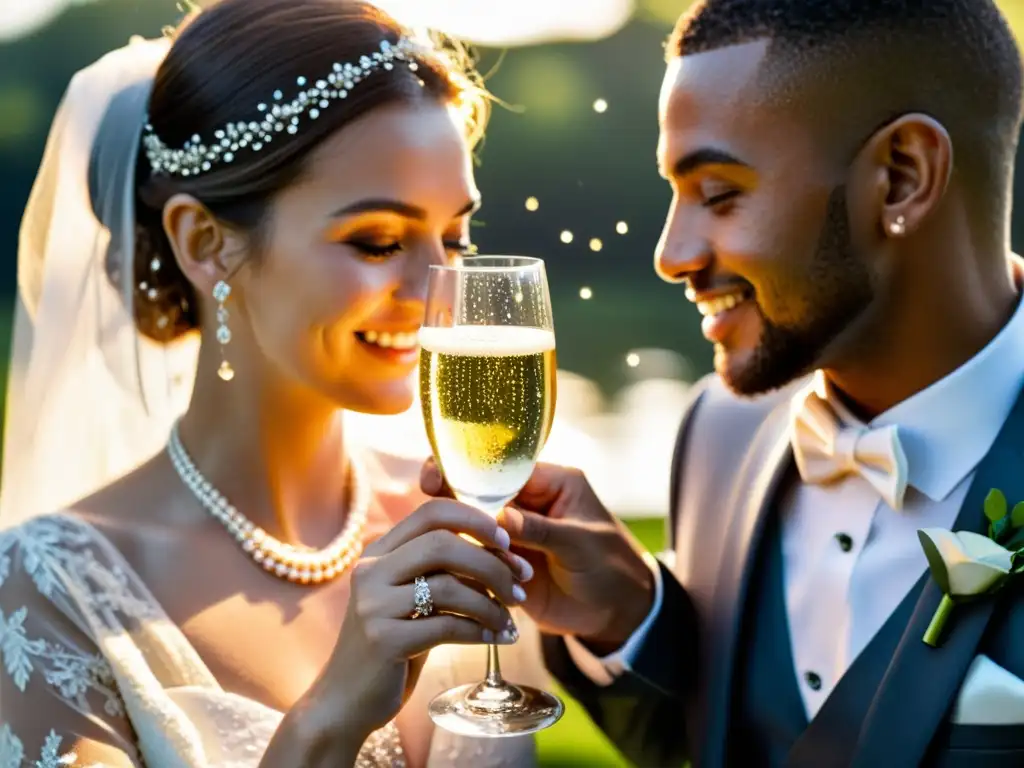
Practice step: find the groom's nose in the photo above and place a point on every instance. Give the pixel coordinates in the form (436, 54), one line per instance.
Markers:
(682, 251)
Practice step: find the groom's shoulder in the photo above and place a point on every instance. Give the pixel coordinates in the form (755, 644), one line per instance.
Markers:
(714, 437)
(717, 416)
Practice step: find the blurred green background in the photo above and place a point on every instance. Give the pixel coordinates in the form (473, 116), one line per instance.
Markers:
(591, 170)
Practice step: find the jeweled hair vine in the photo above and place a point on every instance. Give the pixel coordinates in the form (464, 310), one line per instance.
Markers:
(276, 115)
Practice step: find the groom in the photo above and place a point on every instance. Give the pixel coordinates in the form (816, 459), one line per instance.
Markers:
(841, 174)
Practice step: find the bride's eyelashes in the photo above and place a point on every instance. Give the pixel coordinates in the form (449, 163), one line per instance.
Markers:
(378, 250)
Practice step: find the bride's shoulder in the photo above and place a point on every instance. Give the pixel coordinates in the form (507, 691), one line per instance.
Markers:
(58, 567)
(41, 556)
(77, 537)
(40, 537)
(106, 525)
(48, 564)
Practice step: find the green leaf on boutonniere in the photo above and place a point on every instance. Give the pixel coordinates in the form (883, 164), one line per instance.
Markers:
(1000, 529)
(1016, 541)
(995, 505)
(1017, 515)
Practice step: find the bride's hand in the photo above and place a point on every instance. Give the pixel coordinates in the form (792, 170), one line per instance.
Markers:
(381, 648)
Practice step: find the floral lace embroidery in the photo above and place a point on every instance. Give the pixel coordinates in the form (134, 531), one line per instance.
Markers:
(50, 545)
(54, 552)
(12, 752)
(45, 548)
(73, 674)
(45, 545)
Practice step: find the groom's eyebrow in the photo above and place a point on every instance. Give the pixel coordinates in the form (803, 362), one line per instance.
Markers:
(700, 158)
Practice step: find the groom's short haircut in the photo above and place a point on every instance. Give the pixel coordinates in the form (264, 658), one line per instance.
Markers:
(869, 61)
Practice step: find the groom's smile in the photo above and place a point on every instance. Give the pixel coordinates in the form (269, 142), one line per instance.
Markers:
(759, 227)
(722, 311)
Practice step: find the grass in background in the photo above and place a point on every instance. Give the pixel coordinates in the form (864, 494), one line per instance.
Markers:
(575, 742)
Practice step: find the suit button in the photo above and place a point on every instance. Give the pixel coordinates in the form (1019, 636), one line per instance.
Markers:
(845, 542)
(813, 680)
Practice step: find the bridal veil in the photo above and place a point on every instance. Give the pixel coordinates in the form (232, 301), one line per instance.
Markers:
(89, 397)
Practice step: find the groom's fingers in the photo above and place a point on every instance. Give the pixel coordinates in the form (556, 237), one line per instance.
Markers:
(547, 484)
(540, 520)
(527, 529)
(530, 530)
(541, 491)
(531, 533)
(432, 482)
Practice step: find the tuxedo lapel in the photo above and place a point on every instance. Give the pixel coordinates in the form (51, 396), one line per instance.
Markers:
(920, 684)
(764, 465)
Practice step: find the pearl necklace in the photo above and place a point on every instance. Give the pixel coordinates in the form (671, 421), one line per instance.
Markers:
(301, 565)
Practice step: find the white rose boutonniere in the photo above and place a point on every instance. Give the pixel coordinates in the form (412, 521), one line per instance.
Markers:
(966, 565)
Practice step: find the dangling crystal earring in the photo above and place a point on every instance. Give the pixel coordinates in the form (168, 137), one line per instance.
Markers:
(899, 226)
(221, 291)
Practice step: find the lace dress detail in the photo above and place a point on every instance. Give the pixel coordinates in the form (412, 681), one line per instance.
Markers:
(95, 674)
(12, 753)
(83, 641)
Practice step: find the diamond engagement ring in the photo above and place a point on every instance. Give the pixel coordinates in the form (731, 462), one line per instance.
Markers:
(422, 601)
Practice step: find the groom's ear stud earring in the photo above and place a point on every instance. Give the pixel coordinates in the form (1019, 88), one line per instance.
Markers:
(899, 226)
(221, 291)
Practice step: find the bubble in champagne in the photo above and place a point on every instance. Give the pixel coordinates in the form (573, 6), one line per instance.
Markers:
(632, 359)
(586, 293)
(622, 227)
(532, 204)
(596, 244)
(488, 394)
(566, 236)
(600, 106)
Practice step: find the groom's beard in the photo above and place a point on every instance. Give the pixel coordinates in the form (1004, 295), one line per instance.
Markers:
(836, 288)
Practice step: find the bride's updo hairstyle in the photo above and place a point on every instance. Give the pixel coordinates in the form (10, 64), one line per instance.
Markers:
(248, 90)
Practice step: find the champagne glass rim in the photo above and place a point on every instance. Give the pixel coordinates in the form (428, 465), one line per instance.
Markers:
(516, 263)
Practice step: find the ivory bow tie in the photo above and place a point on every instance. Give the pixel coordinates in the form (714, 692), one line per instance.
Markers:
(828, 445)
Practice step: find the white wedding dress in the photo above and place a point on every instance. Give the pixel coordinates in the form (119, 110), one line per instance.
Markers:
(88, 654)
(83, 640)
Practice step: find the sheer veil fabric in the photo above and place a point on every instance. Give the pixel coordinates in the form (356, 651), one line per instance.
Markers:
(89, 397)
(82, 638)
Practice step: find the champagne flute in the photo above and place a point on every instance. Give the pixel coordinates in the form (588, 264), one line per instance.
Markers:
(487, 386)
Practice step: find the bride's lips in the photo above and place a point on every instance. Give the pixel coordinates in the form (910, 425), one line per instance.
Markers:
(394, 346)
(722, 312)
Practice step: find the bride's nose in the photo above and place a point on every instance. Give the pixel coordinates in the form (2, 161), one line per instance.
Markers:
(412, 283)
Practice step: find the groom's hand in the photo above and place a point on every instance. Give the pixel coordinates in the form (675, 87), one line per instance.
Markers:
(589, 577)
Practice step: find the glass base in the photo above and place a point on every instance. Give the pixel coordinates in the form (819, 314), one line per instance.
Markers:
(495, 710)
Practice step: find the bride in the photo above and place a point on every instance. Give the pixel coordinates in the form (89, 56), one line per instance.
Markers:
(279, 179)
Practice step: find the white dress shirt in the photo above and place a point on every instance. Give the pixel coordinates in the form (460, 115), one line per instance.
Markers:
(849, 558)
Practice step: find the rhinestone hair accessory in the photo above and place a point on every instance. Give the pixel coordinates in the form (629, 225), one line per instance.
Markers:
(276, 115)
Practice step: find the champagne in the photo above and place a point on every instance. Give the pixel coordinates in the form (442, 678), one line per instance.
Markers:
(488, 394)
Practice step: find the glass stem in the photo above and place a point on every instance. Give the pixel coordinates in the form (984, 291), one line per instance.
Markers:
(493, 667)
